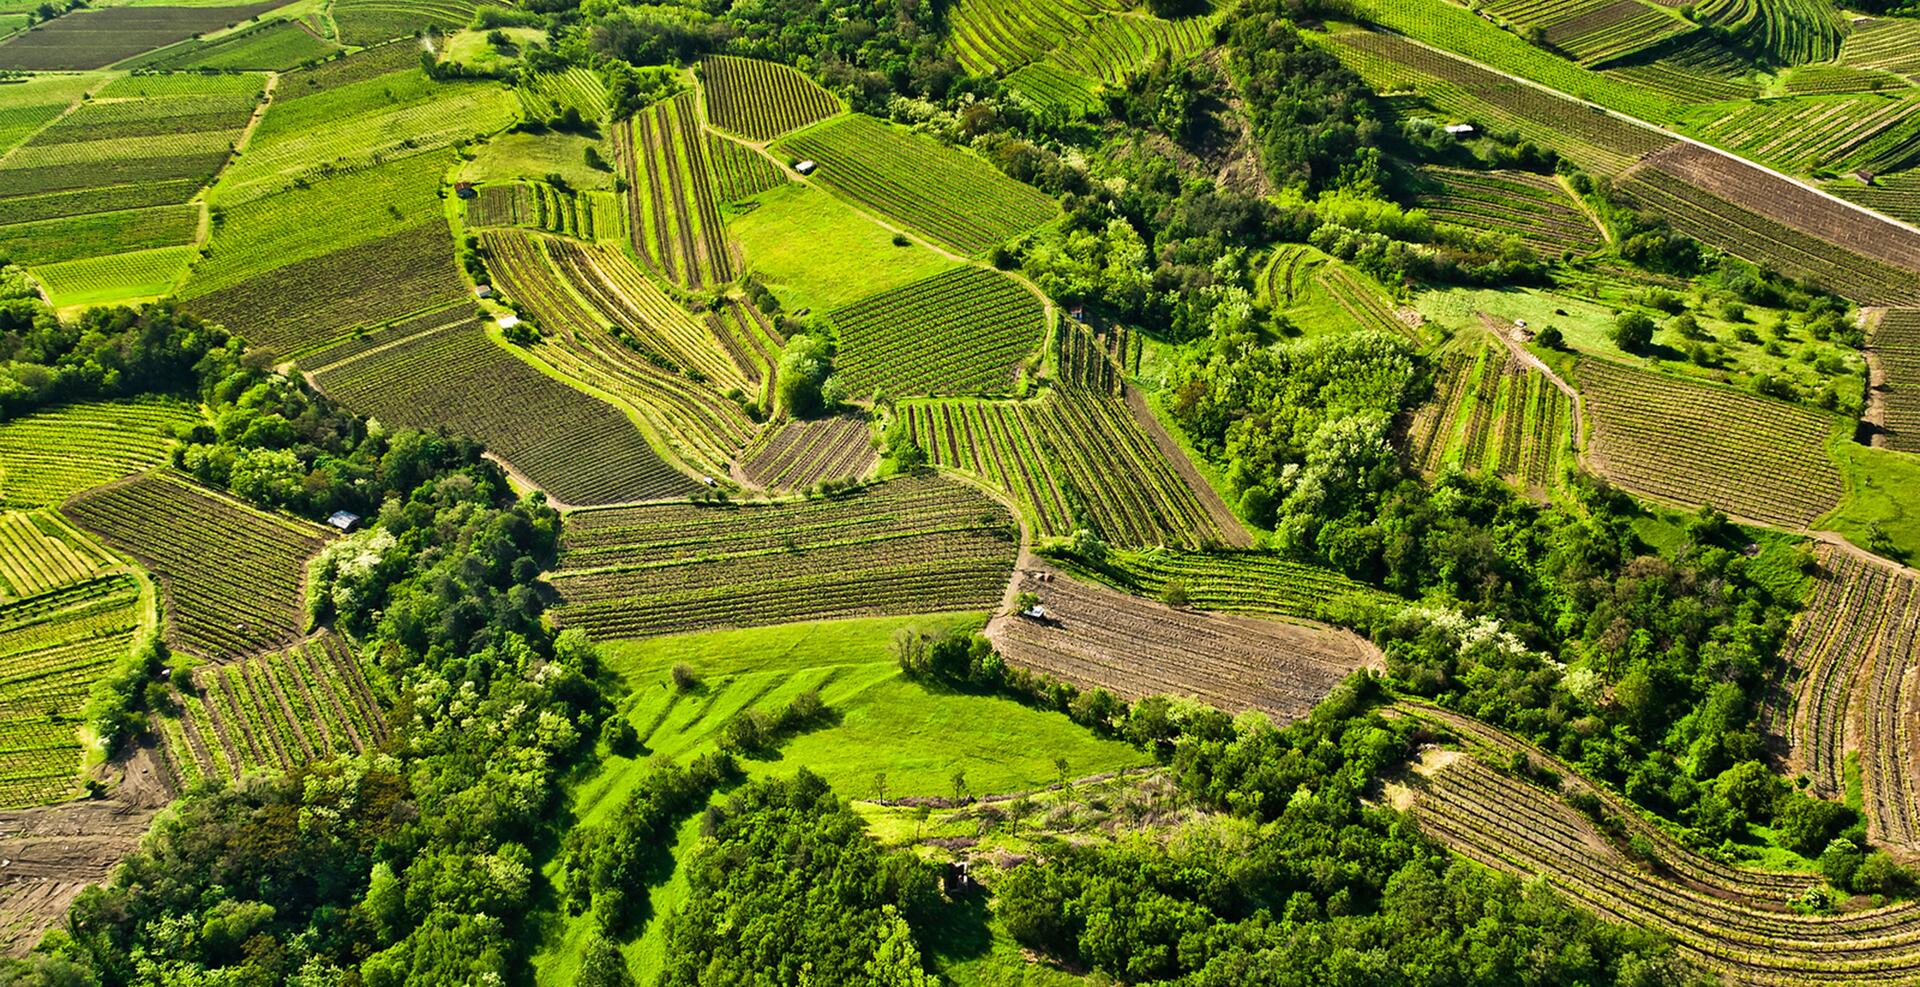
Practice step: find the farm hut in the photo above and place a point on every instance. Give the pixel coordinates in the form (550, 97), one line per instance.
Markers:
(1035, 612)
(483, 291)
(1079, 313)
(1460, 129)
(806, 167)
(344, 520)
(957, 881)
(465, 190)
(509, 320)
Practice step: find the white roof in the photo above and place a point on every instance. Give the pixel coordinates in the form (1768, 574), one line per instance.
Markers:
(509, 320)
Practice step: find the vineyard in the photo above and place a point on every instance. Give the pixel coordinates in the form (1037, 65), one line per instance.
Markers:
(1847, 666)
(57, 643)
(1884, 44)
(1530, 207)
(545, 95)
(1895, 344)
(740, 172)
(1790, 32)
(1790, 227)
(93, 39)
(232, 575)
(274, 44)
(1874, 133)
(1698, 443)
(40, 551)
(1492, 414)
(1072, 459)
(1588, 137)
(799, 454)
(444, 371)
(537, 205)
(367, 22)
(609, 327)
(1094, 636)
(50, 455)
(919, 544)
(1238, 582)
(357, 67)
(1729, 920)
(761, 100)
(947, 194)
(273, 713)
(671, 208)
(968, 330)
(996, 36)
(1592, 31)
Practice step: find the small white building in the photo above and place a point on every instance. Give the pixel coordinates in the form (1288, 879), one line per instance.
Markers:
(806, 167)
(344, 520)
(1460, 129)
(509, 320)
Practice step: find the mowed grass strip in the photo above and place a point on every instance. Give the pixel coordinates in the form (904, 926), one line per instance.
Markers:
(948, 194)
(233, 575)
(914, 544)
(1700, 444)
(961, 332)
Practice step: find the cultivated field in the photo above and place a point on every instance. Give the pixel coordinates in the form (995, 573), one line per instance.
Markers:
(337, 72)
(50, 455)
(991, 36)
(1492, 414)
(919, 544)
(1885, 44)
(367, 22)
(761, 100)
(607, 326)
(1239, 582)
(271, 45)
(799, 454)
(1732, 921)
(1592, 31)
(1530, 207)
(273, 713)
(947, 194)
(1094, 636)
(740, 172)
(671, 207)
(966, 331)
(585, 215)
(1864, 132)
(443, 370)
(232, 575)
(92, 39)
(1702, 444)
(545, 95)
(1790, 32)
(1895, 343)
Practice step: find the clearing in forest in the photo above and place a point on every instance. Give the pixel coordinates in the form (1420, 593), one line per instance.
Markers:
(233, 576)
(1703, 444)
(917, 544)
(1094, 636)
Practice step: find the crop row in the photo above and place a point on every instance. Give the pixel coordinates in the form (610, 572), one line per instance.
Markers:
(1491, 414)
(802, 453)
(534, 204)
(1528, 206)
(56, 644)
(1241, 582)
(750, 339)
(946, 193)
(1593, 33)
(545, 95)
(92, 39)
(962, 331)
(1701, 444)
(1888, 44)
(233, 576)
(1118, 44)
(1363, 302)
(1805, 134)
(1895, 344)
(915, 545)
(1052, 88)
(629, 359)
(761, 100)
(76, 237)
(615, 286)
(739, 172)
(275, 712)
(356, 67)
(995, 36)
(1093, 361)
(579, 449)
(1683, 84)
(50, 455)
(1791, 32)
(367, 22)
(39, 553)
(671, 210)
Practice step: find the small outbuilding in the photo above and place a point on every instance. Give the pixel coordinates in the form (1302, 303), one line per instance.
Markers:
(344, 520)
(1035, 612)
(509, 320)
(1460, 129)
(806, 167)
(483, 291)
(465, 190)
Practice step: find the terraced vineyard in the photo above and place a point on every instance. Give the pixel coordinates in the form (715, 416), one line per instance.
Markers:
(919, 544)
(1800, 232)
(799, 454)
(1791, 32)
(1732, 921)
(50, 455)
(1094, 636)
(610, 328)
(1866, 132)
(586, 215)
(947, 194)
(967, 330)
(1533, 208)
(1895, 344)
(671, 209)
(443, 370)
(1592, 31)
(1847, 666)
(57, 643)
(274, 712)
(1492, 414)
(367, 22)
(1238, 582)
(995, 36)
(761, 100)
(232, 575)
(1073, 459)
(1696, 443)
(1119, 44)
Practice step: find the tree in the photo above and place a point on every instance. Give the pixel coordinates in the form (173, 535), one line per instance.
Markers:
(1175, 592)
(1633, 331)
(602, 964)
(804, 368)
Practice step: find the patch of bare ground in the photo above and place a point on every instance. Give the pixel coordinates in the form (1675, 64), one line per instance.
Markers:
(1094, 636)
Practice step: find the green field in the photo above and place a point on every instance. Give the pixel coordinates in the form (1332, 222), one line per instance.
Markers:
(815, 253)
(969, 330)
(50, 455)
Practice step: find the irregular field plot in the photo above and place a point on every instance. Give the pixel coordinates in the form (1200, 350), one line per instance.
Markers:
(1531, 207)
(232, 575)
(91, 39)
(1492, 414)
(39, 552)
(332, 74)
(992, 36)
(1895, 343)
(276, 45)
(367, 22)
(55, 645)
(1240, 582)
(127, 277)
(800, 454)
(671, 210)
(918, 544)
(761, 100)
(50, 455)
(1592, 31)
(275, 712)
(1095, 636)
(446, 372)
(961, 332)
(1700, 444)
(945, 193)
